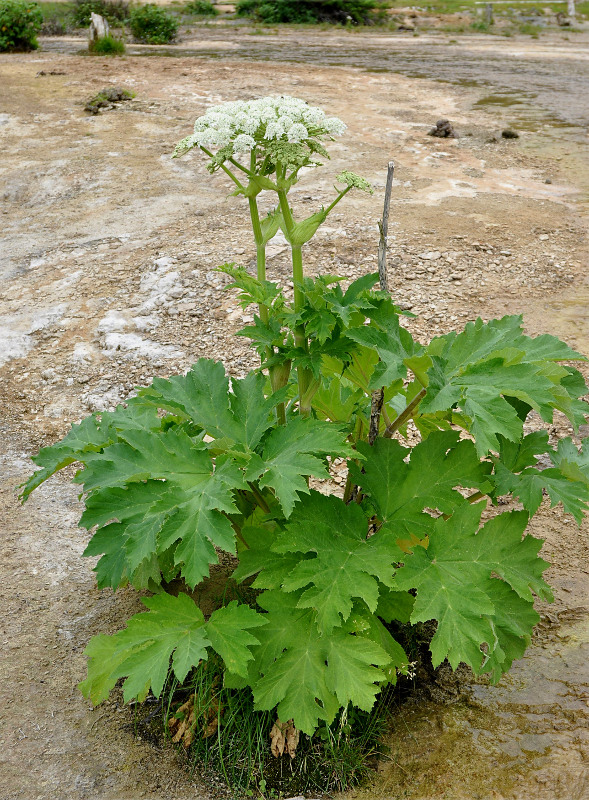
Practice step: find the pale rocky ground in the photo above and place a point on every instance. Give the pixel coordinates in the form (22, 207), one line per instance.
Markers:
(107, 257)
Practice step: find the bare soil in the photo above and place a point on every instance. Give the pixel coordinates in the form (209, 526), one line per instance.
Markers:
(107, 255)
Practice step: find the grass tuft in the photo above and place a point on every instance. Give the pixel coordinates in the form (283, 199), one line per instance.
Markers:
(107, 46)
(224, 735)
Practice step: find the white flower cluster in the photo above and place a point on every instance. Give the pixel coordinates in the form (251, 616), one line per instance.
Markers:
(245, 124)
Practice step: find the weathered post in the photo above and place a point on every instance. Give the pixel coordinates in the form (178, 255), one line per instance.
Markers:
(98, 28)
(378, 394)
(384, 229)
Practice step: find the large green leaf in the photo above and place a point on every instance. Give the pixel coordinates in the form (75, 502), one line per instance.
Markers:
(516, 473)
(346, 564)
(309, 676)
(259, 559)
(91, 436)
(400, 491)
(337, 402)
(572, 462)
(530, 484)
(228, 629)
(294, 451)
(355, 372)
(503, 549)
(452, 577)
(364, 623)
(242, 414)
(512, 621)
(109, 543)
(394, 345)
(86, 437)
(175, 629)
(163, 488)
(488, 367)
(102, 663)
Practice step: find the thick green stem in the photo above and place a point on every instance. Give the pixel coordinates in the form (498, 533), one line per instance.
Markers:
(281, 414)
(279, 375)
(348, 489)
(405, 416)
(304, 376)
(337, 199)
(259, 498)
(260, 250)
(276, 379)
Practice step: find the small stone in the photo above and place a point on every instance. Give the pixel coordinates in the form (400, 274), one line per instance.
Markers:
(548, 180)
(443, 130)
(508, 133)
(187, 307)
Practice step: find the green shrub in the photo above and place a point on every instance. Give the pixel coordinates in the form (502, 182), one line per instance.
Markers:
(308, 11)
(114, 11)
(20, 22)
(152, 25)
(201, 8)
(107, 46)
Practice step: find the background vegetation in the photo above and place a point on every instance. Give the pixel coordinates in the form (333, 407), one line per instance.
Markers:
(448, 16)
(20, 22)
(153, 25)
(310, 11)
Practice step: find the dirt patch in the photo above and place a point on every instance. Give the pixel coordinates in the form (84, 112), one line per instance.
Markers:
(107, 278)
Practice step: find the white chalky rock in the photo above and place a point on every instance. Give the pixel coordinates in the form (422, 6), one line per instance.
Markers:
(98, 28)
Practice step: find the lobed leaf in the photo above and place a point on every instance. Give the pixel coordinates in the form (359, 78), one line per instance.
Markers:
(309, 676)
(490, 368)
(339, 562)
(174, 628)
(515, 472)
(453, 579)
(401, 490)
(294, 451)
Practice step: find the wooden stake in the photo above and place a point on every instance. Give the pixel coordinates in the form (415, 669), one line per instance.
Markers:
(384, 230)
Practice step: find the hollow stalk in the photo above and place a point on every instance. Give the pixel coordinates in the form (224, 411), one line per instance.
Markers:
(304, 376)
(278, 377)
